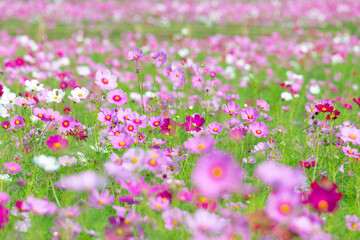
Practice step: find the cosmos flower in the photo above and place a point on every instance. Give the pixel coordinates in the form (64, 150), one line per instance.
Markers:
(259, 129)
(117, 97)
(56, 95)
(121, 141)
(324, 196)
(57, 143)
(4, 216)
(17, 122)
(352, 222)
(12, 167)
(49, 164)
(107, 116)
(263, 105)
(283, 205)
(67, 161)
(249, 114)
(105, 80)
(200, 144)
(160, 59)
(215, 128)
(232, 109)
(84, 181)
(79, 93)
(34, 85)
(135, 55)
(67, 124)
(194, 123)
(99, 200)
(41, 206)
(216, 173)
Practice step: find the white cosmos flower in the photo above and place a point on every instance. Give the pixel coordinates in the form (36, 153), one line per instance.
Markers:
(56, 95)
(315, 89)
(34, 85)
(7, 98)
(83, 70)
(80, 93)
(5, 178)
(286, 96)
(47, 163)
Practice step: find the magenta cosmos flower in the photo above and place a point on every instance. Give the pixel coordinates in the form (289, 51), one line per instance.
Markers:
(216, 173)
(249, 114)
(232, 109)
(117, 97)
(57, 143)
(135, 55)
(263, 105)
(194, 123)
(259, 129)
(105, 80)
(17, 122)
(121, 141)
(99, 200)
(12, 167)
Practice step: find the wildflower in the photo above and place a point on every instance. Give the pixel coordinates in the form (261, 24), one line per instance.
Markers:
(105, 80)
(259, 129)
(159, 203)
(12, 167)
(4, 198)
(135, 55)
(350, 134)
(107, 116)
(249, 114)
(352, 222)
(99, 200)
(140, 121)
(49, 164)
(194, 123)
(34, 85)
(81, 182)
(324, 107)
(263, 105)
(200, 144)
(56, 95)
(232, 109)
(155, 122)
(40, 206)
(357, 101)
(5, 124)
(5, 178)
(308, 163)
(238, 133)
(205, 223)
(79, 93)
(160, 59)
(4, 216)
(350, 152)
(121, 141)
(67, 161)
(20, 101)
(323, 196)
(215, 128)
(67, 124)
(124, 115)
(282, 205)
(57, 143)
(117, 97)
(216, 173)
(173, 218)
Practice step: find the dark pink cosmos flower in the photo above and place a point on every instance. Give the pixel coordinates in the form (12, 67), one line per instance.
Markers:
(17, 122)
(57, 143)
(4, 216)
(324, 196)
(357, 101)
(5, 124)
(194, 123)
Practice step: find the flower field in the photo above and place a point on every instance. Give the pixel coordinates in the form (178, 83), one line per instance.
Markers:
(198, 120)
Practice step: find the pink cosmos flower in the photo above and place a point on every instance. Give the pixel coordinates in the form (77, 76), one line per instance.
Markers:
(350, 134)
(263, 105)
(99, 200)
(159, 203)
(159, 59)
(67, 124)
(139, 121)
(204, 223)
(283, 205)
(57, 143)
(121, 141)
(107, 116)
(4, 198)
(17, 122)
(352, 221)
(238, 133)
(155, 160)
(280, 176)
(84, 181)
(135, 55)
(155, 122)
(249, 114)
(215, 128)
(41, 206)
(105, 80)
(216, 173)
(173, 218)
(200, 144)
(67, 161)
(117, 97)
(12, 167)
(259, 129)
(123, 115)
(231, 108)
(350, 152)
(4, 216)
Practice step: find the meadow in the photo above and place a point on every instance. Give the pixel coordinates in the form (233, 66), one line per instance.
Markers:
(179, 120)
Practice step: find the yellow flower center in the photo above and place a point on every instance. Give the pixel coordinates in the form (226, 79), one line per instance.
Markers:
(134, 160)
(285, 209)
(152, 162)
(17, 122)
(201, 147)
(215, 129)
(105, 80)
(57, 145)
(352, 136)
(258, 131)
(217, 172)
(250, 117)
(323, 205)
(122, 143)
